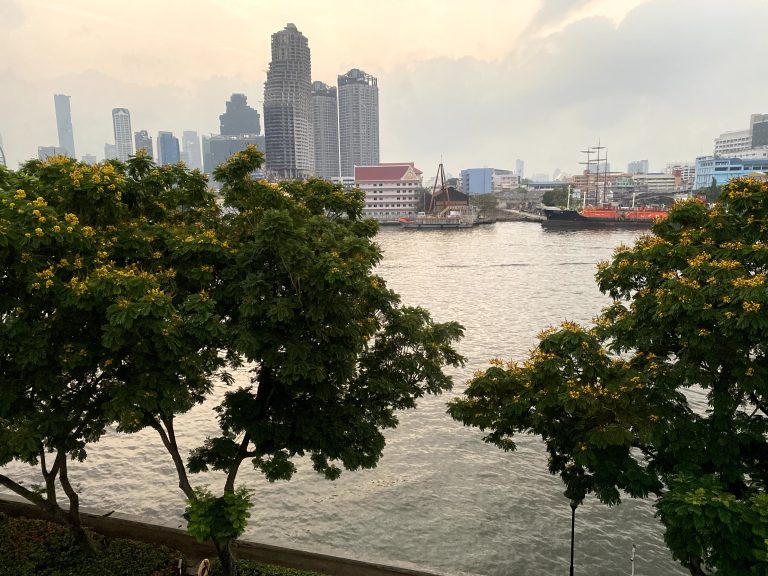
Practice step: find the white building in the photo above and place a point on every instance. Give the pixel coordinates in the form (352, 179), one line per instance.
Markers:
(656, 182)
(121, 122)
(685, 170)
(734, 141)
(325, 119)
(391, 190)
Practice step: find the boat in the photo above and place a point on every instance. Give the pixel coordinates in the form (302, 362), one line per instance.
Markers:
(603, 217)
(448, 209)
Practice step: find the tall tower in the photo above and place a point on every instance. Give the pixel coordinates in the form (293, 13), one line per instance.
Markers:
(325, 120)
(239, 117)
(144, 140)
(287, 107)
(191, 150)
(358, 121)
(64, 124)
(167, 148)
(121, 122)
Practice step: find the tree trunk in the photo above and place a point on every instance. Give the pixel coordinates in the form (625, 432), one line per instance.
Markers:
(694, 567)
(226, 557)
(73, 516)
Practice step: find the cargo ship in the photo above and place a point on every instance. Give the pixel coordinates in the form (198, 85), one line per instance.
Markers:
(610, 217)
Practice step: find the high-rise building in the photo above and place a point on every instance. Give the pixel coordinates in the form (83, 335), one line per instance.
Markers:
(121, 122)
(287, 107)
(218, 149)
(110, 151)
(637, 167)
(144, 140)
(190, 150)
(758, 128)
(45, 152)
(64, 124)
(358, 121)
(239, 117)
(2, 152)
(325, 119)
(88, 159)
(167, 148)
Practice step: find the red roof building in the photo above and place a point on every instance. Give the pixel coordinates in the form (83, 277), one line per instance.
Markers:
(391, 190)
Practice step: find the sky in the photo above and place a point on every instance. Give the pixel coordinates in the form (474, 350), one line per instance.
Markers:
(476, 84)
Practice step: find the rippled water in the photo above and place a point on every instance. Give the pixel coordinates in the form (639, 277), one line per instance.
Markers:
(441, 499)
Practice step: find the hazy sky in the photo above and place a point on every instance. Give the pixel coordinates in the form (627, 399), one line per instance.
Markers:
(479, 83)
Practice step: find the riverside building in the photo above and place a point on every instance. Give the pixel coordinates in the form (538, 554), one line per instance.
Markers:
(358, 121)
(325, 119)
(391, 190)
(287, 107)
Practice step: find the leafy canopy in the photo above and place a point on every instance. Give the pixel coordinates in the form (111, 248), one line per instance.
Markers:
(667, 394)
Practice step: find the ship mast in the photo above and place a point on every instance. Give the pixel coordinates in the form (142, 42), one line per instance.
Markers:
(588, 163)
(597, 175)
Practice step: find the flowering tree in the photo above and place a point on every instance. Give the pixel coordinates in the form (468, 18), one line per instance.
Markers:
(333, 352)
(615, 404)
(104, 314)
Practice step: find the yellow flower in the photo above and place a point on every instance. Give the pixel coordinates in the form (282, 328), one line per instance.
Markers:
(20, 194)
(56, 228)
(39, 231)
(87, 231)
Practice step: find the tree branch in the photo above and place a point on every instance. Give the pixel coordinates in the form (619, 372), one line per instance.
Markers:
(169, 441)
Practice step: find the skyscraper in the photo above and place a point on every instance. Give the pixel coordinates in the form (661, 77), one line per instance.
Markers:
(121, 122)
(144, 140)
(64, 124)
(325, 119)
(358, 121)
(167, 148)
(239, 117)
(287, 107)
(110, 151)
(191, 150)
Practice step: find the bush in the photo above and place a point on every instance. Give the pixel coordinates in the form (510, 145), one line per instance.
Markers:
(39, 548)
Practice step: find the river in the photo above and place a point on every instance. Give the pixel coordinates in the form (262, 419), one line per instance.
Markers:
(440, 499)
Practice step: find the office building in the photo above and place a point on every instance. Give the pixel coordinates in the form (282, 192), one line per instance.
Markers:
(3, 161)
(287, 107)
(476, 181)
(190, 150)
(45, 152)
(685, 170)
(144, 140)
(167, 149)
(121, 122)
(325, 119)
(720, 170)
(637, 167)
(110, 151)
(89, 159)
(218, 149)
(239, 118)
(391, 190)
(358, 121)
(758, 129)
(520, 168)
(64, 124)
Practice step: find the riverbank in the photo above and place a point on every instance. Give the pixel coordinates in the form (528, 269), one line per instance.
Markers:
(118, 525)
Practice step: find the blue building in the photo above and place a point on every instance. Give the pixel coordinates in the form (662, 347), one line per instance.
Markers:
(724, 169)
(167, 148)
(476, 181)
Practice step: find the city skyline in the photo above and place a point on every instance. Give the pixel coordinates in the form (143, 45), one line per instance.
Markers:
(526, 83)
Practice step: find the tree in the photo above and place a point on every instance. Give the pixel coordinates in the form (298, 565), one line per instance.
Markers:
(615, 403)
(333, 352)
(555, 197)
(103, 309)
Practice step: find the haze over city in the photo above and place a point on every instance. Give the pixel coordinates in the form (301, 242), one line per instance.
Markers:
(534, 80)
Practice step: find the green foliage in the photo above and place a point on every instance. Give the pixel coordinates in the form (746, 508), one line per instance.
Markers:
(613, 402)
(105, 314)
(555, 197)
(37, 548)
(222, 518)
